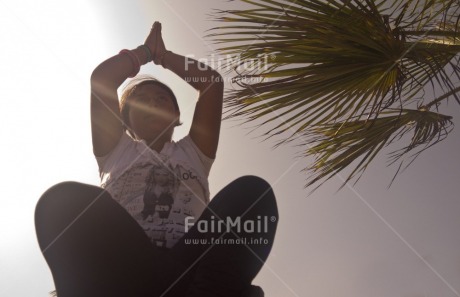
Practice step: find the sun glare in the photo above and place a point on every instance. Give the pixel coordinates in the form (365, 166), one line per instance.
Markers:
(48, 51)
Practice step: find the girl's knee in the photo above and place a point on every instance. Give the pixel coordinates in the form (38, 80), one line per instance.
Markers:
(257, 191)
(256, 185)
(60, 206)
(253, 182)
(52, 196)
(64, 196)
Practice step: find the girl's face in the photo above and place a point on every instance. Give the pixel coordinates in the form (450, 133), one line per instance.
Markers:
(151, 111)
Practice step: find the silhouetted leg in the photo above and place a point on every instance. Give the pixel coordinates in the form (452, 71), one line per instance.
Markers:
(227, 269)
(94, 247)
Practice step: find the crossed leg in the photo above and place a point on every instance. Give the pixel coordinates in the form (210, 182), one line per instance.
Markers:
(95, 248)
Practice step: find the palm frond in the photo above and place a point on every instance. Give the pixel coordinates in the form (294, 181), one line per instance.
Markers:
(316, 64)
(337, 145)
(329, 59)
(334, 59)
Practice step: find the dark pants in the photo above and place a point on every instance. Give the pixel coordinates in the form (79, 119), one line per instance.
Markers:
(95, 248)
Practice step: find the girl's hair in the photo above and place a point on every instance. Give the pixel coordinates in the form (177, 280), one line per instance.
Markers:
(130, 88)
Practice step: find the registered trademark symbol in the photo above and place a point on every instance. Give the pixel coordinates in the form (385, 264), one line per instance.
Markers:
(273, 218)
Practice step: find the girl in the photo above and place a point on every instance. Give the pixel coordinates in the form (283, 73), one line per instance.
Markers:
(97, 241)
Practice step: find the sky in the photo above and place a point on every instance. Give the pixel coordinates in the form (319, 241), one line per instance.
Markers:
(365, 240)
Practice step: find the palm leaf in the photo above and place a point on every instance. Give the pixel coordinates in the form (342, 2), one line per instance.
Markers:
(320, 63)
(337, 145)
(344, 48)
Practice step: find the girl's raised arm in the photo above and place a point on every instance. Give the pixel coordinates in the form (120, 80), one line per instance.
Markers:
(106, 123)
(205, 127)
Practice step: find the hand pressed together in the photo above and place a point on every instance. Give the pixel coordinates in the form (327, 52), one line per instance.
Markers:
(155, 43)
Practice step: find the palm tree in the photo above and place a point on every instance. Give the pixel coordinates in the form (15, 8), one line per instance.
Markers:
(344, 78)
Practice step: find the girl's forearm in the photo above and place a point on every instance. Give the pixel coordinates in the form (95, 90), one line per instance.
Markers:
(115, 70)
(197, 74)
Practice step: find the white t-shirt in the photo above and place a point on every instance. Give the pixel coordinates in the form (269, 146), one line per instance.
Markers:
(159, 190)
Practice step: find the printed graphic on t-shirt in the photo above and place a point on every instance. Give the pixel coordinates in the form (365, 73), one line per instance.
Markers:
(160, 196)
